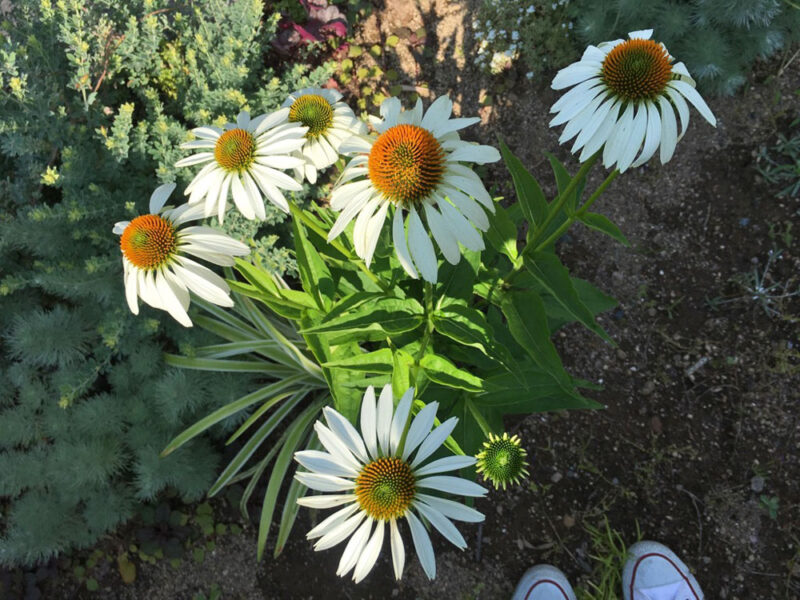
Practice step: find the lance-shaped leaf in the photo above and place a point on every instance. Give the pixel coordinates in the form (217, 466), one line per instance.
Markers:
(527, 322)
(314, 273)
(603, 224)
(554, 277)
(529, 194)
(392, 315)
(502, 234)
(443, 372)
(468, 326)
(379, 361)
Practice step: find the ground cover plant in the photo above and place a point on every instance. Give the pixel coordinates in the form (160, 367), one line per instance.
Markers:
(94, 99)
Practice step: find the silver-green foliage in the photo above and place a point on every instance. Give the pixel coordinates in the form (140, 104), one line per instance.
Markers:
(719, 40)
(96, 97)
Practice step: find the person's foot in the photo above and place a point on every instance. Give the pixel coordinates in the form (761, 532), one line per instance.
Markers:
(543, 582)
(654, 572)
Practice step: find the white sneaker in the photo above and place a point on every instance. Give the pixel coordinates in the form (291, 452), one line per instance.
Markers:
(543, 582)
(654, 572)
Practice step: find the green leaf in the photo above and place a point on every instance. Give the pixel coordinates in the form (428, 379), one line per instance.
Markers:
(502, 234)
(547, 269)
(314, 273)
(529, 390)
(527, 321)
(593, 298)
(392, 315)
(294, 434)
(456, 281)
(468, 326)
(443, 372)
(401, 372)
(290, 505)
(529, 194)
(603, 224)
(257, 276)
(227, 366)
(255, 441)
(562, 181)
(230, 409)
(379, 361)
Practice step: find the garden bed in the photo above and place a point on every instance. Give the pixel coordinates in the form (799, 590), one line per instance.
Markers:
(698, 447)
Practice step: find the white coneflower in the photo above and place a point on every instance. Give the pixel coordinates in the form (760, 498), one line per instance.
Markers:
(155, 257)
(244, 161)
(330, 122)
(625, 97)
(415, 167)
(374, 476)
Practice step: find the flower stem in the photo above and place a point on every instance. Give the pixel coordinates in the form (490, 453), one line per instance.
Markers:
(479, 418)
(580, 212)
(315, 227)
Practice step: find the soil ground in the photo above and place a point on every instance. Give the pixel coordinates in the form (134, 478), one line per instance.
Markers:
(700, 435)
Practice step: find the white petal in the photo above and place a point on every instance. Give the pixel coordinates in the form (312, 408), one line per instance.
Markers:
(268, 189)
(147, 289)
(131, 290)
(464, 179)
(591, 127)
(600, 137)
(452, 510)
(574, 74)
(345, 431)
(576, 106)
(362, 223)
(669, 130)
(420, 428)
(370, 554)
(443, 524)
(355, 547)
(421, 247)
(207, 133)
(576, 94)
(451, 125)
(340, 532)
(636, 134)
(692, 96)
(644, 34)
(243, 119)
(476, 153)
(241, 199)
(222, 197)
(159, 197)
(332, 521)
(272, 120)
(281, 161)
(438, 112)
(468, 207)
(195, 159)
(451, 485)
(169, 298)
(579, 121)
(398, 550)
(252, 126)
(441, 233)
(254, 195)
(120, 226)
(369, 422)
(335, 446)
(356, 144)
(619, 135)
(653, 135)
(400, 419)
(324, 483)
(278, 178)
(385, 410)
(434, 441)
(401, 244)
(203, 282)
(442, 465)
(463, 231)
(322, 462)
(326, 500)
(374, 228)
(681, 70)
(683, 108)
(357, 203)
(342, 195)
(422, 544)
